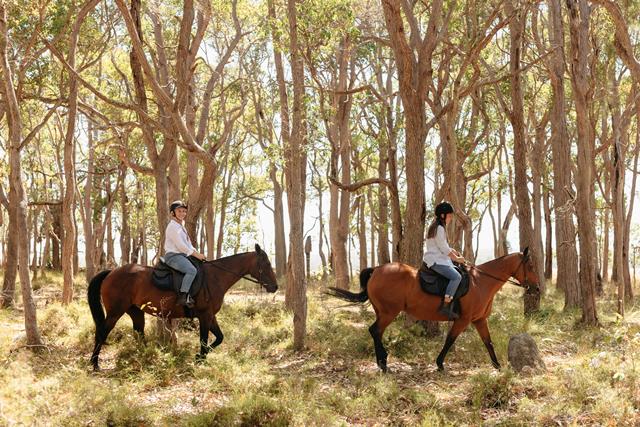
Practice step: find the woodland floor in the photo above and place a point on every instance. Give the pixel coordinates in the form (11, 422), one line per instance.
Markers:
(255, 378)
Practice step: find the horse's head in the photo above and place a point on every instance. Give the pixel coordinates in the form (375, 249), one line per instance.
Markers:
(526, 273)
(263, 272)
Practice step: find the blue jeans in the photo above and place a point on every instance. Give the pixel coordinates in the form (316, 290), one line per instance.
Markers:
(451, 274)
(180, 262)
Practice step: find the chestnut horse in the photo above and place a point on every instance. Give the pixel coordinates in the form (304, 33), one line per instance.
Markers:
(128, 289)
(395, 287)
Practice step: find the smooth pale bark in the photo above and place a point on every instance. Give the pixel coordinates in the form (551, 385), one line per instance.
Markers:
(581, 82)
(566, 252)
(617, 171)
(362, 233)
(317, 181)
(339, 134)
(69, 200)
(537, 170)
(125, 231)
(266, 141)
(17, 195)
(285, 131)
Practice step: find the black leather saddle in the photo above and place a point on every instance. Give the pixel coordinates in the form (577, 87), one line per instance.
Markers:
(169, 279)
(433, 283)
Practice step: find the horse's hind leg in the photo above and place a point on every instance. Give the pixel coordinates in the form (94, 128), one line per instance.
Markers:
(101, 337)
(137, 317)
(215, 329)
(483, 330)
(376, 330)
(456, 329)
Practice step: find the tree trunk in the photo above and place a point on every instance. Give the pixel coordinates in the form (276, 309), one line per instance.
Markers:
(548, 253)
(362, 233)
(527, 238)
(17, 196)
(125, 232)
(382, 224)
(295, 178)
(68, 205)
(581, 83)
(339, 134)
(55, 237)
(566, 253)
(278, 221)
(307, 256)
(11, 267)
(414, 76)
(87, 220)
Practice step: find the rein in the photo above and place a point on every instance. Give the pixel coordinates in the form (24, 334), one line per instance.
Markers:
(524, 285)
(241, 276)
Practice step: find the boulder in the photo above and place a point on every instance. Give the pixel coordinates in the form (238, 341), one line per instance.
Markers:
(523, 352)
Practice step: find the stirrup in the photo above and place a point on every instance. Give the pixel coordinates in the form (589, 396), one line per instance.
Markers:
(447, 310)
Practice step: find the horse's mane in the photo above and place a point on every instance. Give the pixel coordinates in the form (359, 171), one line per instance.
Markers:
(226, 257)
(499, 258)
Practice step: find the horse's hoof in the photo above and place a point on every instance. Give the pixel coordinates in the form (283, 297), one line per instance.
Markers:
(497, 366)
(200, 358)
(440, 367)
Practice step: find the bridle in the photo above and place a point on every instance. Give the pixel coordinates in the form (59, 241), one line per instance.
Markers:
(526, 284)
(238, 275)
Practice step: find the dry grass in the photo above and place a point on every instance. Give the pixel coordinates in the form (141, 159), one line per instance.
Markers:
(254, 377)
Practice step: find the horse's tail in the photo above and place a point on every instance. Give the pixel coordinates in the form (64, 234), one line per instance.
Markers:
(93, 296)
(363, 296)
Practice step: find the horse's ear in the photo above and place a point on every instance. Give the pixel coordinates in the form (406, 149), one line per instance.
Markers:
(525, 253)
(258, 250)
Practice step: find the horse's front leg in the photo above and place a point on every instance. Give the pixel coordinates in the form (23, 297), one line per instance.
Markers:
(483, 330)
(217, 332)
(456, 329)
(205, 323)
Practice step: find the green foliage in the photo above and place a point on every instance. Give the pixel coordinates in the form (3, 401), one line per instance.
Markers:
(491, 390)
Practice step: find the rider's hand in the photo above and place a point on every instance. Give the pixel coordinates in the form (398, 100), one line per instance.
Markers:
(461, 260)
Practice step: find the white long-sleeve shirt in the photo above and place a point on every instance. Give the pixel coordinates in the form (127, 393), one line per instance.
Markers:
(438, 249)
(176, 239)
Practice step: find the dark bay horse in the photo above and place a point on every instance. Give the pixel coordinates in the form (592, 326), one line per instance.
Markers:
(394, 287)
(128, 289)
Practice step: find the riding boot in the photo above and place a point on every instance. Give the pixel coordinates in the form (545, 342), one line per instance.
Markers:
(447, 310)
(185, 299)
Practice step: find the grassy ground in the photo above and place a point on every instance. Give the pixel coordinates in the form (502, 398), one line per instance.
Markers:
(254, 377)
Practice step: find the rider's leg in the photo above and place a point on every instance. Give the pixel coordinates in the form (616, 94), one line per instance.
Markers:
(182, 264)
(454, 281)
(453, 276)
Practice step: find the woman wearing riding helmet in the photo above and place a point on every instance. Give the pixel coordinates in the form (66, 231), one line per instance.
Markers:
(178, 247)
(439, 255)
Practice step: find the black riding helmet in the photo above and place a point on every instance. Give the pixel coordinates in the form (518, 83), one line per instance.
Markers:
(177, 204)
(443, 209)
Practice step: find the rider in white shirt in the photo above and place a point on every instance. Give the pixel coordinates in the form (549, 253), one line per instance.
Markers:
(178, 247)
(439, 255)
